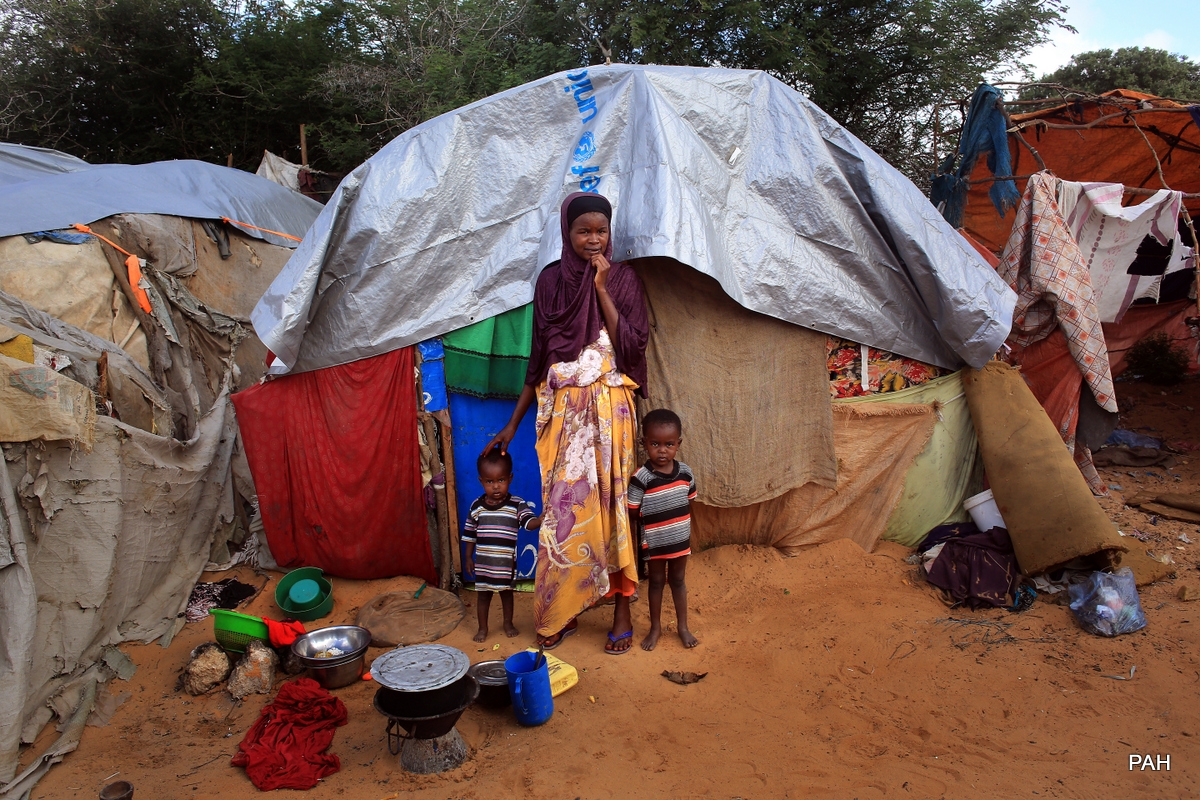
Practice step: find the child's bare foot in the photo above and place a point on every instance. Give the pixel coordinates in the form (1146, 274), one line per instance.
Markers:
(686, 637)
(511, 630)
(651, 640)
(482, 635)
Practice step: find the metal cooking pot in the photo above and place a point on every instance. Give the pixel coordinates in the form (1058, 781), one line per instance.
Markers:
(335, 671)
(493, 684)
(428, 714)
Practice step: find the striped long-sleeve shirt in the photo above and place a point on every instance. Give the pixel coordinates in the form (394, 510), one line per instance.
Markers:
(493, 531)
(662, 505)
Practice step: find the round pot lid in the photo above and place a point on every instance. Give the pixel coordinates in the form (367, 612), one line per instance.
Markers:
(420, 667)
(490, 673)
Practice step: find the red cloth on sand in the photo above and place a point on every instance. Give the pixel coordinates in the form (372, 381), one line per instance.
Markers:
(285, 748)
(284, 633)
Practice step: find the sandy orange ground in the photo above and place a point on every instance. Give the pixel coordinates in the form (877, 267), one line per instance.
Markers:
(831, 674)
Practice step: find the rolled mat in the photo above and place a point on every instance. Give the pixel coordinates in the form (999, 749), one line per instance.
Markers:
(1050, 512)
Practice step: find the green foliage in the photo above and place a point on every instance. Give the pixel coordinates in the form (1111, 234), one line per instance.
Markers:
(1142, 69)
(876, 66)
(138, 80)
(1156, 360)
(425, 57)
(101, 80)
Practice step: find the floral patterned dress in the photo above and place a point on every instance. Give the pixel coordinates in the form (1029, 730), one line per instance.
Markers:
(586, 429)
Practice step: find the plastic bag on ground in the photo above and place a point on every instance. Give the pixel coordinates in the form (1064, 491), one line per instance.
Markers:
(1107, 603)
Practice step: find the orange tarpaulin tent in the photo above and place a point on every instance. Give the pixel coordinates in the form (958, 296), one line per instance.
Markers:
(1096, 140)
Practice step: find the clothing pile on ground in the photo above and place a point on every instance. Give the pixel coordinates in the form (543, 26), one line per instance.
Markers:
(227, 594)
(287, 746)
(974, 568)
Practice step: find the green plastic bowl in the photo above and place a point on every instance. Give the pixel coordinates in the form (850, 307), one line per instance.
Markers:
(233, 631)
(304, 592)
(324, 590)
(316, 608)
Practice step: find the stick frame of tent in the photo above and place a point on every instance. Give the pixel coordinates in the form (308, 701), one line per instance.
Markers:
(1125, 112)
(1129, 189)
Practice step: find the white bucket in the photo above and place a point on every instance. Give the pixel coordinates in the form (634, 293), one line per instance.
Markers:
(984, 511)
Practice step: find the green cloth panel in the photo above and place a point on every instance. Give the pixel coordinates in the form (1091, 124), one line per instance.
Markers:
(489, 358)
(946, 471)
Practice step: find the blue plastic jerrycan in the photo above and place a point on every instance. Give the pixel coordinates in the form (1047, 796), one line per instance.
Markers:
(529, 685)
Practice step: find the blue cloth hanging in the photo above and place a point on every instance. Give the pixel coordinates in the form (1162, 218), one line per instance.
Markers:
(985, 131)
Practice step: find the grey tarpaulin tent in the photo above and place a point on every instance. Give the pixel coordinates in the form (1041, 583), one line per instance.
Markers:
(19, 163)
(727, 171)
(104, 532)
(177, 188)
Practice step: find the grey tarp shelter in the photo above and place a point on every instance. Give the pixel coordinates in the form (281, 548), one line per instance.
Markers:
(192, 189)
(19, 163)
(728, 171)
(89, 569)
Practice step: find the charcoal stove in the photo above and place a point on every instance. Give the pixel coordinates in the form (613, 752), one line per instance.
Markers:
(424, 689)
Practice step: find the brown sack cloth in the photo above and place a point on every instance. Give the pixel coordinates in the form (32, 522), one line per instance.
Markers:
(752, 391)
(1051, 514)
(396, 618)
(38, 403)
(876, 444)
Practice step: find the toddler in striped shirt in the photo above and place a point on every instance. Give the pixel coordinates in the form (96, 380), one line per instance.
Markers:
(659, 499)
(490, 534)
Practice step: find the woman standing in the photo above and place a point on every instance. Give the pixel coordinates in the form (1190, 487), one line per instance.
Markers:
(587, 360)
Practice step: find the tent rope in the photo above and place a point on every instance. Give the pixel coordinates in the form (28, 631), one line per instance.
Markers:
(133, 267)
(264, 230)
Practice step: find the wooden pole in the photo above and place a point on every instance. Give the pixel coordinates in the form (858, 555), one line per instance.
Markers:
(229, 161)
(303, 147)
(443, 418)
(445, 562)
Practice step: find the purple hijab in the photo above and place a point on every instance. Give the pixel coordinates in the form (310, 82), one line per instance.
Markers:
(567, 315)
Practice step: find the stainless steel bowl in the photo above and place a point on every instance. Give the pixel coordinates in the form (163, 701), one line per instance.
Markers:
(337, 671)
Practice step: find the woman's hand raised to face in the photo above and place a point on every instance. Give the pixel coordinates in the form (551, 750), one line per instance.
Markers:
(602, 267)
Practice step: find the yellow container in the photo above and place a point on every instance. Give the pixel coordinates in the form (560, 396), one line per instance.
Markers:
(562, 675)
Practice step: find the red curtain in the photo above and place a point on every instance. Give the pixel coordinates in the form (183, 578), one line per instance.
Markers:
(336, 463)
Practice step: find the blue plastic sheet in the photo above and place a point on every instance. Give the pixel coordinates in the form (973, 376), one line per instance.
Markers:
(431, 350)
(1120, 437)
(475, 421)
(433, 385)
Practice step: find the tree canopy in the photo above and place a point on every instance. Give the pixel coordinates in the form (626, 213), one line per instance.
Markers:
(1142, 69)
(140, 80)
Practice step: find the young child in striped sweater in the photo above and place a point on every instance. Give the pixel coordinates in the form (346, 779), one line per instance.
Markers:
(490, 534)
(659, 499)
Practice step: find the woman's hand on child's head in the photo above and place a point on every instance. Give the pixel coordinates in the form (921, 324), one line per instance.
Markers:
(602, 269)
(501, 440)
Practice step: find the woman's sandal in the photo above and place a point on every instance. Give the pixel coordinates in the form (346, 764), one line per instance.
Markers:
(612, 643)
(564, 633)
